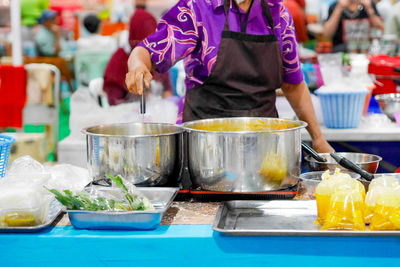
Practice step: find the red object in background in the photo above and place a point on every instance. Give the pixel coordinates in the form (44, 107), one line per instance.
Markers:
(295, 8)
(387, 72)
(323, 47)
(12, 95)
(398, 171)
(66, 12)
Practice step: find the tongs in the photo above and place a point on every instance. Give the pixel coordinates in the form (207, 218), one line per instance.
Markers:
(312, 152)
(143, 99)
(342, 161)
(348, 164)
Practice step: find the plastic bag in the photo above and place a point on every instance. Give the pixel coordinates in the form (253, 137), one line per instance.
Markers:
(66, 176)
(377, 189)
(23, 200)
(22, 206)
(386, 214)
(26, 170)
(345, 211)
(331, 184)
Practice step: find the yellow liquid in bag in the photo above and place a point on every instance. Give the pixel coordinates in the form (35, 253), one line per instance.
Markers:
(18, 218)
(346, 212)
(323, 202)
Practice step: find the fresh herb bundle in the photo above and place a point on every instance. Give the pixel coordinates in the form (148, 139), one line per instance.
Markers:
(84, 201)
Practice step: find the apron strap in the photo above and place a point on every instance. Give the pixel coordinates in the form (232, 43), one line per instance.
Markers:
(227, 4)
(243, 25)
(267, 12)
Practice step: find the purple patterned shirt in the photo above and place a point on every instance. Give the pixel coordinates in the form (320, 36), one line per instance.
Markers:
(191, 30)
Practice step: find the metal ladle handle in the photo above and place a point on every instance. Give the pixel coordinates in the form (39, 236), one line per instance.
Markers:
(342, 161)
(312, 152)
(143, 98)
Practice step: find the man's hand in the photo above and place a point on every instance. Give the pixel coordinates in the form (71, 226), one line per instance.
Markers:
(134, 79)
(321, 146)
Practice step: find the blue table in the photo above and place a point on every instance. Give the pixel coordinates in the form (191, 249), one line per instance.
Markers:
(191, 245)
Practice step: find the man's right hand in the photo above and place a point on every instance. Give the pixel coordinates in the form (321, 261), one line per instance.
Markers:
(134, 77)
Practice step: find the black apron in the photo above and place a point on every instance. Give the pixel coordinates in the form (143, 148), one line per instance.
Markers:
(246, 74)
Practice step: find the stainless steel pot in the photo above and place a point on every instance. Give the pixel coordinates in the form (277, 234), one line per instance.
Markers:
(147, 154)
(244, 154)
(367, 162)
(389, 104)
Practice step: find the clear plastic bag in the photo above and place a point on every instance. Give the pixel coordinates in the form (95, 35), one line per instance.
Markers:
(346, 211)
(66, 176)
(27, 170)
(377, 188)
(22, 204)
(386, 214)
(331, 184)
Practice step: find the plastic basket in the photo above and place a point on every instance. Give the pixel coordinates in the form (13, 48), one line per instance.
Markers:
(5, 145)
(342, 109)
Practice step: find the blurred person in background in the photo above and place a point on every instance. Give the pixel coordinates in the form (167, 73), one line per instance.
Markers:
(95, 41)
(48, 38)
(142, 24)
(392, 25)
(384, 7)
(31, 10)
(349, 24)
(297, 10)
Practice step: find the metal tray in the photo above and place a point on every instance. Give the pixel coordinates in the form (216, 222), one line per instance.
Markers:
(277, 218)
(55, 209)
(160, 197)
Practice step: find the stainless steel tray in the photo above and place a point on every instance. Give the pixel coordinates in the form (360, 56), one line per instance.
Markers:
(277, 218)
(55, 209)
(160, 197)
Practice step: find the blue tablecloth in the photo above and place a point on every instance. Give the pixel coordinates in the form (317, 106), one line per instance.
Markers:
(191, 245)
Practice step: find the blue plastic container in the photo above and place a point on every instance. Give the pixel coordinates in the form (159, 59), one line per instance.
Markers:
(5, 145)
(342, 110)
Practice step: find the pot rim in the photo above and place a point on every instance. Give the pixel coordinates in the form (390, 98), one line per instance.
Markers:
(392, 97)
(302, 125)
(179, 130)
(311, 159)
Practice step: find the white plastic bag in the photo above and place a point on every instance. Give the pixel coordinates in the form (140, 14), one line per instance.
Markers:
(66, 176)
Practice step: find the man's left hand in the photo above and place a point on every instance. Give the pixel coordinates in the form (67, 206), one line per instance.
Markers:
(322, 146)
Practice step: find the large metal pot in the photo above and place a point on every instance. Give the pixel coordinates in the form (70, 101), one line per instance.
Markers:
(244, 154)
(146, 154)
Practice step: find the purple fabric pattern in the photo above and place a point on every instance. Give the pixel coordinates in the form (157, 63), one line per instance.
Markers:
(191, 30)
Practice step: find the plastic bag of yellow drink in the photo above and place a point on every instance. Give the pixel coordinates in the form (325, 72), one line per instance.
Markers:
(385, 181)
(377, 188)
(331, 184)
(274, 167)
(345, 211)
(386, 214)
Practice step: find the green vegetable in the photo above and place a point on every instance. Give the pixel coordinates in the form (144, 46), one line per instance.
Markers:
(83, 201)
(135, 202)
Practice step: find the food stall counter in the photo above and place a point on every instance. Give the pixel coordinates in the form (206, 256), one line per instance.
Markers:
(186, 238)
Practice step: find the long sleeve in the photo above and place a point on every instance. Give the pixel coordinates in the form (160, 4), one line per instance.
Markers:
(176, 37)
